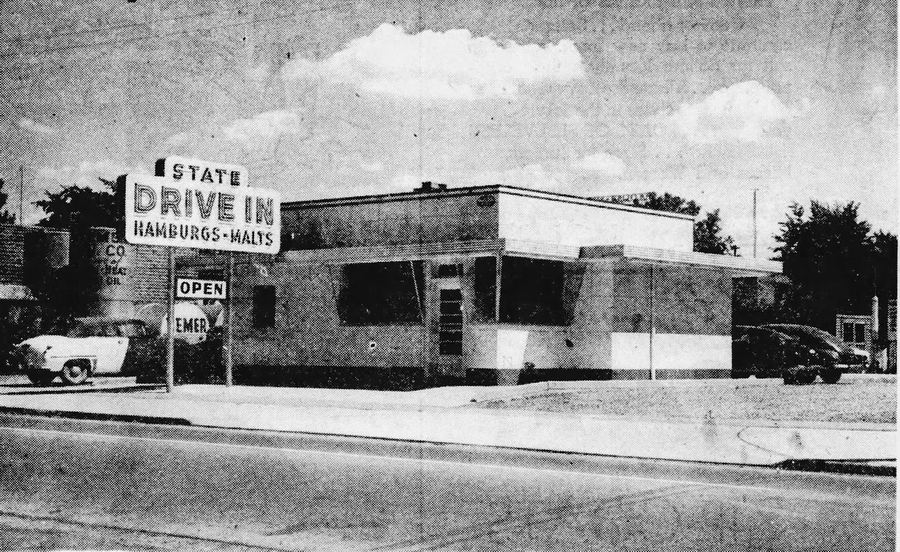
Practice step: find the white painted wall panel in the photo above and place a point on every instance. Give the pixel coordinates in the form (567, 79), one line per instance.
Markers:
(572, 224)
(630, 351)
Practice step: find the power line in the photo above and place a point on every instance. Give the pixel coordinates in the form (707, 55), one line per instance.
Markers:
(117, 42)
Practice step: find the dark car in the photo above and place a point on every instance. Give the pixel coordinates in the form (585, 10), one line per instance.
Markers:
(764, 352)
(827, 354)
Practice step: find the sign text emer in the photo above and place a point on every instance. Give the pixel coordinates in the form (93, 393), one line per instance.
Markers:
(160, 211)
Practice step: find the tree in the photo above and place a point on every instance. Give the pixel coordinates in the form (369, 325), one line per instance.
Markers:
(78, 208)
(5, 216)
(707, 231)
(708, 238)
(835, 265)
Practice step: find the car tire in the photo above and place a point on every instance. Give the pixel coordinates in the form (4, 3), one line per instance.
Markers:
(830, 376)
(790, 378)
(75, 372)
(41, 378)
(806, 376)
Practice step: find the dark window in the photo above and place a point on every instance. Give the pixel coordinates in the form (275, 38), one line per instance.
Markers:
(848, 332)
(448, 270)
(263, 306)
(483, 277)
(450, 322)
(538, 292)
(860, 333)
(381, 293)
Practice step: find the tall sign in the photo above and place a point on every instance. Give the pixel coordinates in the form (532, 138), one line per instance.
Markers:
(204, 205)
(187, 213)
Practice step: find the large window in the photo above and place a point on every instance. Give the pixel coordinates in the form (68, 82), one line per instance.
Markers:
(381, 293)
(263, 306)
(538, 292)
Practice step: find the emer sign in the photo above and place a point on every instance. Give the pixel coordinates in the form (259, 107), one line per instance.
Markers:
(190, 288)
(186, 213)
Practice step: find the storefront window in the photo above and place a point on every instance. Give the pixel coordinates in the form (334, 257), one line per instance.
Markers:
(381, 293)
(263, 306)
(538, 292)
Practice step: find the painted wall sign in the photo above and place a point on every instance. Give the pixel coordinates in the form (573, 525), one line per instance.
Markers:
(485, 200)
(112, 261)
(190, 288)
(179, 213)
(199, 171)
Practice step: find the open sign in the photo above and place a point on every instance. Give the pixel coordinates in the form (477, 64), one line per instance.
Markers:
(190, 288)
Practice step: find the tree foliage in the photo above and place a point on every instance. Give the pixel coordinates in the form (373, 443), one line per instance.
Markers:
(708, 236)
(5, 216)
(834, 262)
(78, 208)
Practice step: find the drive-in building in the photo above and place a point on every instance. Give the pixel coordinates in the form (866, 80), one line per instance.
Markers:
(481, 284)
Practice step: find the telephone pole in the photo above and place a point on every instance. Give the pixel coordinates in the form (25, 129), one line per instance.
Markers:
(754, 221)
(21, 192)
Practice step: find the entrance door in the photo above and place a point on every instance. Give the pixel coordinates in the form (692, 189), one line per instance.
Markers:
(450, 322)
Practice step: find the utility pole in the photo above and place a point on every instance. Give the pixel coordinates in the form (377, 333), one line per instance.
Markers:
(754, 221)
(21, 192)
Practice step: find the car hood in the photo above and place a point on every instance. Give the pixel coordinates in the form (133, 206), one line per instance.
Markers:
(43, 342)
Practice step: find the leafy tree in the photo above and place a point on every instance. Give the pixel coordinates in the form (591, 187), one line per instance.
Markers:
(708, 237)
(78, 208)
(5, 216)
(707, 231)
(834, 263)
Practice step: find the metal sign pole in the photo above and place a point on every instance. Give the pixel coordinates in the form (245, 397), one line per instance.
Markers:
(170, 335)
(228, 317)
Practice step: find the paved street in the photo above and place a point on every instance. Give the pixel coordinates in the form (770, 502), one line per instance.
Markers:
(88, 484)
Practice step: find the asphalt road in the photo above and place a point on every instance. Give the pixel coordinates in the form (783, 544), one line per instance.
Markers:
(68, 484)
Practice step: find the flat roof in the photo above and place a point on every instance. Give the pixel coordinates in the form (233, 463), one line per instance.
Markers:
(473, 190)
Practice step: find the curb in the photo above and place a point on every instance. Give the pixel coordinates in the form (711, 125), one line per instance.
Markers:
(129, 418)
(848, 467)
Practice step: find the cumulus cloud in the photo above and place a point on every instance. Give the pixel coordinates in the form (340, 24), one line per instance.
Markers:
(602, 162)
(375, 166)
(251, 130)
(742, 112)
(34, 126)
(264, 126)
(451, 65)
(86, 173)
(530, 176)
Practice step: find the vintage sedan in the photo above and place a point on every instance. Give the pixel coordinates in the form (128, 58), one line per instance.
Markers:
(92, 346)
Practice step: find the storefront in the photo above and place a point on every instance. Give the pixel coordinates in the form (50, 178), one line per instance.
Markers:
(490, 284)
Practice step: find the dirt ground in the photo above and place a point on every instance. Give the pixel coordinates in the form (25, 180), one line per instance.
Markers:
(854, 398)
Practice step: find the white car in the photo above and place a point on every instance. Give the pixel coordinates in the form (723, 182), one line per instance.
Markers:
(93, 346)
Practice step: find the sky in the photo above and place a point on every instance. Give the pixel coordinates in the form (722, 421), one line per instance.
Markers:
(708, 99)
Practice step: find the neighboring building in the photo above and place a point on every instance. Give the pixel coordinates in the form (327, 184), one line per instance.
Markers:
(483, 284)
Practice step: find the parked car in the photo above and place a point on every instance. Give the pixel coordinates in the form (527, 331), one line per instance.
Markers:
(828, 355)
(93, 345)
(764, 352)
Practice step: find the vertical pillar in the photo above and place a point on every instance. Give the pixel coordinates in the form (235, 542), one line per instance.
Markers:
(652, 318)
(170, 321)
(228, 341)
(873, 330)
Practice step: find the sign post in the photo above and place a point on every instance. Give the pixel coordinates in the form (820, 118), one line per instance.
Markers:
(198, 204)
(227, 342)
(170, 324)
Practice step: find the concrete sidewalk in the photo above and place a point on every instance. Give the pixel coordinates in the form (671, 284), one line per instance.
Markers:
(433, 416)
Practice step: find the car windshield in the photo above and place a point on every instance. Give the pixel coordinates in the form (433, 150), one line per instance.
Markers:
(814, 335)
(82, 329)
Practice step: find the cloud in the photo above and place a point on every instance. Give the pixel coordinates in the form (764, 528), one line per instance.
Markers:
(603, 163)
(451, 65)
(33, 126)
(530, 176)
(249, 131)
(265, 125)
(86, 173)
(742, 112)
(376, 166)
